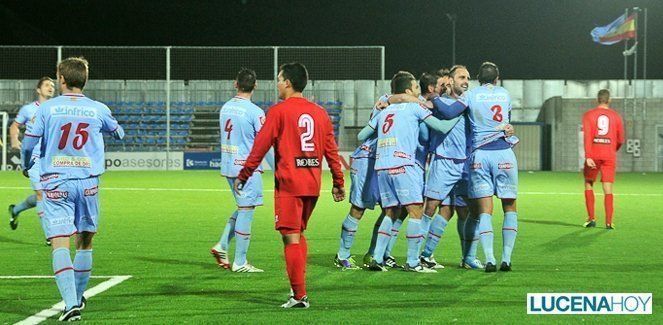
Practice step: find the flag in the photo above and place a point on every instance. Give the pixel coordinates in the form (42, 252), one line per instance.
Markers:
(621, 29)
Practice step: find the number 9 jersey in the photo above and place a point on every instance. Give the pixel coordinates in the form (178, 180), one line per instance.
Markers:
(72, 145)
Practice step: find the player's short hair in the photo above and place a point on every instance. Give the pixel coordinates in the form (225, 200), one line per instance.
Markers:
(603, 96)
(74, 70)
(246, 80)
(444, 72)
(401, 81)
(42, 80)
(427, 79)
(455, 68)
(488, 73)
(296, 73)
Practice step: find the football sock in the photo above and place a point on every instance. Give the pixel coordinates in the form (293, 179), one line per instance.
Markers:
(82, 271)
(28, 203)
(303, 246)
(348, 230)
(434, 234)
(374, 235)
(425, 224)
(294, 263)
(64, 276)
(395, 228)
(243, 235)
(414, 240)
(486, 234)
(589, 203)
(609, 208)
(228, 233)
(471, 235)
(384, 235)
(509, 233)
(460, 228)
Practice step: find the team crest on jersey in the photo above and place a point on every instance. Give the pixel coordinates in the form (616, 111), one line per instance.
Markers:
(57, 195)
(505, 165)
(400, 154)
(306, 162)
(475, 166)
(92, 191)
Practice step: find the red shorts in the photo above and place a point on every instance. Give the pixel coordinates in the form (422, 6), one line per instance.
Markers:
(606, 167)
(291, 213)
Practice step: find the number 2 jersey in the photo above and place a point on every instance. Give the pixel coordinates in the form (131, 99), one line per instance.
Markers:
(603, 133)
(240, 120)
(489, 112)
(301, 134)
(72, 146)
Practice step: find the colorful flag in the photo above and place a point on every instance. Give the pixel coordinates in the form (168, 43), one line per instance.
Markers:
(621, 29)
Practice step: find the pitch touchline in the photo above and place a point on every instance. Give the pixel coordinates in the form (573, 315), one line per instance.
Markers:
(323, 191)
(57, 308)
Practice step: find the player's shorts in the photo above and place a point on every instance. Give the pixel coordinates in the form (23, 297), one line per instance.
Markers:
(251, 194)
(443, 174)
(493, 172)
(71, 207)
(364, 192)
(291, 213)
(606, 167)
(457, 195)
(401, 186)
(33, 174)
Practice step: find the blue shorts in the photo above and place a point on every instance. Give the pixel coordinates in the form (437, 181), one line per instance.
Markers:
(71, 207)
(401, 186)
(458, 195)
(251, 194)
(443, 174)
(493, 172)
(364, 192)
(34, 176)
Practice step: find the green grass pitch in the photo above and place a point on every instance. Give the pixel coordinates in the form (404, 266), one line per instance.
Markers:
(162, 238)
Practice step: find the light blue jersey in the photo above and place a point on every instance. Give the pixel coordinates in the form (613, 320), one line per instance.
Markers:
(489, 111)
(72, 146)
(26, 113)
(452, 145)
(240, 121)
(369, 146)
(398, 134)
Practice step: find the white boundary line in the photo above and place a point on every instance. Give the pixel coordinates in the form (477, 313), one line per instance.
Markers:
(57, 308)
(160, 189)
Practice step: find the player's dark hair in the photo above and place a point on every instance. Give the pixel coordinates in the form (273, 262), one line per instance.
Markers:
(427, 79)
(444, 72)
(455, 68)
(401, 81)
(74, 70)
(488, 73)
(42, 80)
(246, 80)
(296, 73)
(603, 96)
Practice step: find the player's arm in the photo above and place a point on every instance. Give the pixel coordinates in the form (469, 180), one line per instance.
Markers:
(13, 135)
(110, 125)
(448, 110)
(368, 130)
(424, 134)
(258, 122)
(443, 126)
(264, 140)
(334, 163)
(588, 134)
(403, 98)
(33, 133)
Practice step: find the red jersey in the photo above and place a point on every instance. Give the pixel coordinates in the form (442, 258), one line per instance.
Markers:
(603, 132)
(302, 134)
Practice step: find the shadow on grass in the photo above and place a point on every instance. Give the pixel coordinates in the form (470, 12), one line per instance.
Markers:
(210, 265)
(19, 242)
(579, 238)
(550, 222)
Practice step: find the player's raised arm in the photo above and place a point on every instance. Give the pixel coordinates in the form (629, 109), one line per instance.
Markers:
(443, 126)
(448, 110)
(264, 140)
(33, 133)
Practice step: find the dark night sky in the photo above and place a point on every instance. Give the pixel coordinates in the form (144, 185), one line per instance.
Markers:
(528, 39)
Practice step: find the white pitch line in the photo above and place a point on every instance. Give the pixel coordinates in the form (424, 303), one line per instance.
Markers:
(57, 308)
(157, 189)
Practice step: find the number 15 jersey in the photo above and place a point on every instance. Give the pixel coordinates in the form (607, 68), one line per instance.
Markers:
(72, 145)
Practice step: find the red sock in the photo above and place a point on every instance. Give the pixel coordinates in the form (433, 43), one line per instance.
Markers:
(608, 208)
(589, 203)
(294, 264)
(304, 247)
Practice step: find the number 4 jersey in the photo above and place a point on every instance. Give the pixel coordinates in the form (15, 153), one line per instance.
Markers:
(240, 120)
(302, 134)
(603, 133)
(72, 145)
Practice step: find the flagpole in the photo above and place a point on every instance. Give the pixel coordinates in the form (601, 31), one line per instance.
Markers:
(625, 49)
(644, 55)
(635, 53)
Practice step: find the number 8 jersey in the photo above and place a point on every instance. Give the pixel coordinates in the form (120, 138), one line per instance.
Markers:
(489, 112)
(72, 145)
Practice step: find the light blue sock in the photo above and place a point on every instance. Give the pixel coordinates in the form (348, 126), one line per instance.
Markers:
(486, 235)
(40, 213)
(28, 203)
(434, 234)
(348, 230)
(243, 235)
(460, 228)
(509, 233)
(64, 276)
(374, 235)
(228, 232)
(471, 235)
(384, 235)
(395, 229)
(82, 271)
(414, 240)
(425, 224)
